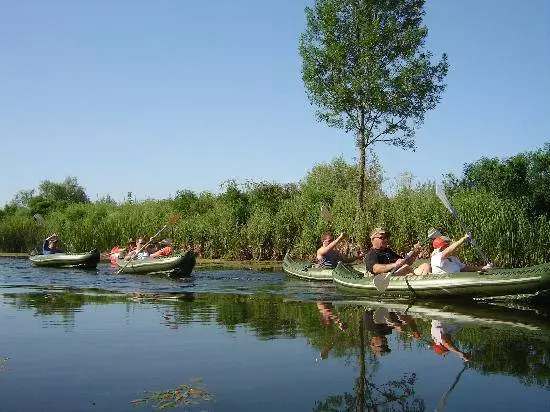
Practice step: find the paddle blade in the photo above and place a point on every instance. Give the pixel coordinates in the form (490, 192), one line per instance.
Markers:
(38, 218)
(382, 281)
(443, 197)
(173, 219)
(326, 214)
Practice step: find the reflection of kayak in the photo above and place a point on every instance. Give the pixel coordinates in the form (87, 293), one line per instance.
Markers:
(174, 266)
(493, 282)
(306, 270)
(87, 260)
(460, 312)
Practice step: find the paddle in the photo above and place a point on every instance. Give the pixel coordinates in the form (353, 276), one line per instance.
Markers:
(38, 219)
(382, 281)
(326, 214)
(443, 401)
(173, 219)
(443, 197)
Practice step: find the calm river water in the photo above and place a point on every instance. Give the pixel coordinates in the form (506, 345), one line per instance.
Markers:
(239, 340)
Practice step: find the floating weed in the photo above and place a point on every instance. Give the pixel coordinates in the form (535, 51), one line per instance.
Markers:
(183, 395)
(4, 364)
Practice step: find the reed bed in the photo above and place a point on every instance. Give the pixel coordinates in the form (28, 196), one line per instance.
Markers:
(262, 221)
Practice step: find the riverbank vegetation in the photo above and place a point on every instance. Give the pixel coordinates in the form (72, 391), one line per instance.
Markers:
(505, 203)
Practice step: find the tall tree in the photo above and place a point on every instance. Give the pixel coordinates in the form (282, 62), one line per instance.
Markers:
(366, 69)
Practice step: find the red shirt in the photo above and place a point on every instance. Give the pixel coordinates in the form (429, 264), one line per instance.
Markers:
(165, 251)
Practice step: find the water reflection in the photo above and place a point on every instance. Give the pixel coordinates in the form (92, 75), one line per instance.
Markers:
(381, 323)
(442, 335)
(329, 318)
(376, 355)
(442, 404)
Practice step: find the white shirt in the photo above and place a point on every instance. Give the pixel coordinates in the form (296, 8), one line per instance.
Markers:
(442, 265)
(439, 328)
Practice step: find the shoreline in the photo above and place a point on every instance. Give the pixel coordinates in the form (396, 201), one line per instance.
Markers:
(267, 265)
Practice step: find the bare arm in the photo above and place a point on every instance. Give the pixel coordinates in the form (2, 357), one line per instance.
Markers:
(324, 249)
(452, 247)
(384, 268)
(452, 348)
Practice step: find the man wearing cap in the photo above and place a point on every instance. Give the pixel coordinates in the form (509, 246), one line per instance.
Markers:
(166, 249)
(381, 259)
(49, 246)
(442, 260)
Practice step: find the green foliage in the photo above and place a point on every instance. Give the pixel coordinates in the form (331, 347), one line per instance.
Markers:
(324, 182)
(365, 67)
(524, 177)
(264, 220)
(51, 195)
(69, 191)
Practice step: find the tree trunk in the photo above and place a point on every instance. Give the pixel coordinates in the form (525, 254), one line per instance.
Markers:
(361, 380)
(362, 147)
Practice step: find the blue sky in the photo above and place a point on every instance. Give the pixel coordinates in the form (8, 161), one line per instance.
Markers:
(152, 97)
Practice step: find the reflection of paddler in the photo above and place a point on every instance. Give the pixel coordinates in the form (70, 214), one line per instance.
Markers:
(376, 322)
(329, 317)
(441, 335)
(382, 322)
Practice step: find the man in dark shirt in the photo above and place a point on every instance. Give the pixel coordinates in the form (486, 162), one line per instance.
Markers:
(381, 259)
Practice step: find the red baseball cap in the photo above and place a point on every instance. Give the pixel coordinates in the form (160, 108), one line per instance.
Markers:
(441, 241)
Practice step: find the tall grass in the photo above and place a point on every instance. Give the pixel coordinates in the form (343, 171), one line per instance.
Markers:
(263, 221)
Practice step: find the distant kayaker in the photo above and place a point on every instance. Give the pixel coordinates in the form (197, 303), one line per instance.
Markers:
(50, 245)
(327, 256)
(381, 259)
(165, 249)
(444, 262)
(140, 252)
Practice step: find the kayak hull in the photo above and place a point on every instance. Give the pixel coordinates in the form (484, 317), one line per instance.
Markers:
(87, 260)
(306, 270)
(493, 282)
(172, 266)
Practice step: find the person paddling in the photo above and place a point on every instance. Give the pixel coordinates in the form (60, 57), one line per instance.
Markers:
(327, 256)
(139, 252)
(443, 261)
(49, 246)
(165, 249)
(382, 259)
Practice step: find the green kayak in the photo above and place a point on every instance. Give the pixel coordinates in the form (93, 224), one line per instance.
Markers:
(493, 282)
(172, 266)
(308, 271)
(87, 260)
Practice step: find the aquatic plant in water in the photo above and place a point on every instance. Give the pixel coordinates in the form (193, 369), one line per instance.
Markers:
(3, 364)
(185, 394)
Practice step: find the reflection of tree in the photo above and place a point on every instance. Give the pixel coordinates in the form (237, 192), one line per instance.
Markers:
(369, 396)
(59, 302)
(510, 351)
(497, 346)
(63, 303)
